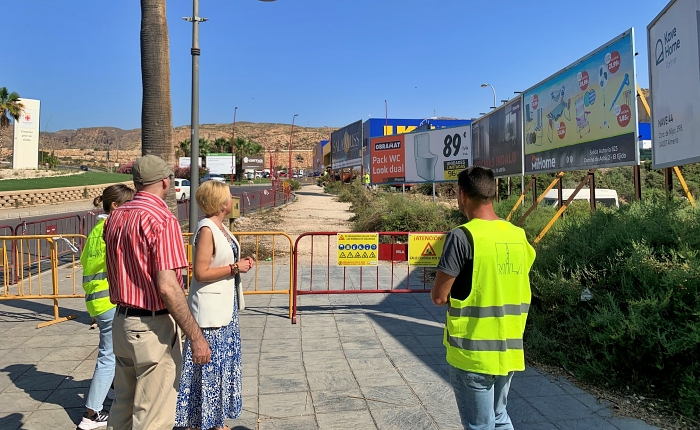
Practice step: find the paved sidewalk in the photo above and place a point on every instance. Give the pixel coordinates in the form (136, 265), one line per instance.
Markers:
(32, 211)
(352, 362)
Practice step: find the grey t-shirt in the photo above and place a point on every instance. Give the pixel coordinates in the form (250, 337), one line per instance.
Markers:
(458, 256)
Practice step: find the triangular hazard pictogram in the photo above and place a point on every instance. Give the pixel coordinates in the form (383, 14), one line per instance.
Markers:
(364, 255)
(428, 251)
(342, 255)
(357, 255)
(372, 254)
(341, 237)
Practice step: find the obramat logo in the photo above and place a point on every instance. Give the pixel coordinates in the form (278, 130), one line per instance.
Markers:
(542, 164)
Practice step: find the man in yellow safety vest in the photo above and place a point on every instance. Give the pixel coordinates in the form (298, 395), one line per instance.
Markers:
(483, 278)
(366, 180)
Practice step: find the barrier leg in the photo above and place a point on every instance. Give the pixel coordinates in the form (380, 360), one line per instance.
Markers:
(54, 281)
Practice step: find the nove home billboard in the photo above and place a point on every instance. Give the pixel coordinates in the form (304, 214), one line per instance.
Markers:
(674, 82)
(584, 116)
(346, 146)
(497, 140)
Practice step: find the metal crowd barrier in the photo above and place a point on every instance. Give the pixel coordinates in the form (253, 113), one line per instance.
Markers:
(265, 274)
(313, 272)
(34, 256)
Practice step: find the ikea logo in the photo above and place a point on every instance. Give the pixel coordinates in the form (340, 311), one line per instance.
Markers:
(401, 129)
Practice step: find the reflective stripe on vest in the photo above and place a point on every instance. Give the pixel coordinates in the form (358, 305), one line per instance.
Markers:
(95, 277)
(484, 332)
(98, 295)
(95, 273)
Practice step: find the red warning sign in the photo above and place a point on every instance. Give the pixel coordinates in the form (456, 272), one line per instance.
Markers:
(428, 251)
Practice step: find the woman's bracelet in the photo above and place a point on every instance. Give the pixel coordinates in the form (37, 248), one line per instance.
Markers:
(234, 269)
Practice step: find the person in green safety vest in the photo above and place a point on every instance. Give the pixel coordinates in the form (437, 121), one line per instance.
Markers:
(100, 307)
(486, 308)
(366, 180)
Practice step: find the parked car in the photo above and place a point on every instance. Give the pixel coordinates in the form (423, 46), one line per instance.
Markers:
(282, 174)
(84, 168)
(212, 177)
(265, 175)
(182, 189)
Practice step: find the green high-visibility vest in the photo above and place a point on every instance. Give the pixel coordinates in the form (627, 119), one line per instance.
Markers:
(366, 178)
(94, 264)
(484, 332)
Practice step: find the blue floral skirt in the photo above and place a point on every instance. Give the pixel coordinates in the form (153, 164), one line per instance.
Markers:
(211, 393)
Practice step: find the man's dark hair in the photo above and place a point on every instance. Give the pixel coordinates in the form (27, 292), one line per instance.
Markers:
(478, 183)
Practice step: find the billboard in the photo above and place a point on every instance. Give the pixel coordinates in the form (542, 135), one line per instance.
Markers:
(186, 161)
(584, 116)
(25, 151)
(674, 81)
(253, 162)
(223, 164)
(346, 146)
(497, 140)
(427, 156)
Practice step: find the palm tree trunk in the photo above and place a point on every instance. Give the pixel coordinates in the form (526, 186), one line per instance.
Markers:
(156, 109)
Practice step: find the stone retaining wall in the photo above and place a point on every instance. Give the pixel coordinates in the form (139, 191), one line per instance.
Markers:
(51, 196)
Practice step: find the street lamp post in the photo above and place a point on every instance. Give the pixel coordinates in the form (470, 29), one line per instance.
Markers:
(233, 141)
(195, 19)
(494, 94)
(291, 138)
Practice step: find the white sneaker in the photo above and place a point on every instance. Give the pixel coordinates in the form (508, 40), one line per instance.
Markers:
(95, 422)
(110, 394)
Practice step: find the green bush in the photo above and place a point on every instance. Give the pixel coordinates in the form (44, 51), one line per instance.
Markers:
(641, 329)
(294, 185)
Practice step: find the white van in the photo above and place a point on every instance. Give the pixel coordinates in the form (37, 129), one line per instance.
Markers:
(603, 196)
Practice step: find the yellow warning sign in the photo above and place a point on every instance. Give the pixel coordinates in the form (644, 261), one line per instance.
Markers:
(358, 249)
(425, 249)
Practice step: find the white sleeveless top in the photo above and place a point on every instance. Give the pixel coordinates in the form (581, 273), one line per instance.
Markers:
(211, 303)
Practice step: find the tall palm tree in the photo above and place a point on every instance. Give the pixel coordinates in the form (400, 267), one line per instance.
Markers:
(10, 106)
(156, 109)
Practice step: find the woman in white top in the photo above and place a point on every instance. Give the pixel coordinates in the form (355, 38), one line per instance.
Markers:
(210, 393)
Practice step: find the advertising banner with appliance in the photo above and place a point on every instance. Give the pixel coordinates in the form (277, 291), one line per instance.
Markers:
(497, 140)
(427, 156)
(674, 81)
(584, 116)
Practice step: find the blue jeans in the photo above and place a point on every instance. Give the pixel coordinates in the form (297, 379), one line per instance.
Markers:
(481, 399)
(104, 369)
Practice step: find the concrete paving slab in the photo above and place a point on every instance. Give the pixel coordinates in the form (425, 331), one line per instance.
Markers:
(352, 420)
(354, 361)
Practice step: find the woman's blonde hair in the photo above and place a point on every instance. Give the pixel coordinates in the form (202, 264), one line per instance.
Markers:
(211, 195)
(117, 193)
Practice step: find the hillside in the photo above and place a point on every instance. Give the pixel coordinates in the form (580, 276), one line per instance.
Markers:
(100, 138)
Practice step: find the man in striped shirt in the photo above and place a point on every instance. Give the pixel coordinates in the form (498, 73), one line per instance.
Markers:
(145, 257)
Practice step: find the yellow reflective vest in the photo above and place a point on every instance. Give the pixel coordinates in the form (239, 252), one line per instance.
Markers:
(484, 332)
(94, 264)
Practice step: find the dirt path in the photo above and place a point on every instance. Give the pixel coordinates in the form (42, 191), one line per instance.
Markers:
(313, 211)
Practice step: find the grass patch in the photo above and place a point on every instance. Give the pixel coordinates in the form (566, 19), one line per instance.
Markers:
(79, 180)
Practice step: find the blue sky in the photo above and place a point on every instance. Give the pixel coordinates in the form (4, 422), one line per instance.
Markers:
(331, 61)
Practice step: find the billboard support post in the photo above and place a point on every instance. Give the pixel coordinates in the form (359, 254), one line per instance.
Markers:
(540, 198)
(668, 181)
(684, 185)
(637, 171)
(591, 176)
(521, 199)
(562, 208)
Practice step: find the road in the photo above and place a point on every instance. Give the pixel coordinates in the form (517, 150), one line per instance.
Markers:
(82, 221)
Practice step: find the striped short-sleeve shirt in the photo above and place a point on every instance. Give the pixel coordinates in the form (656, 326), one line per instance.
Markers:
(142, 237)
